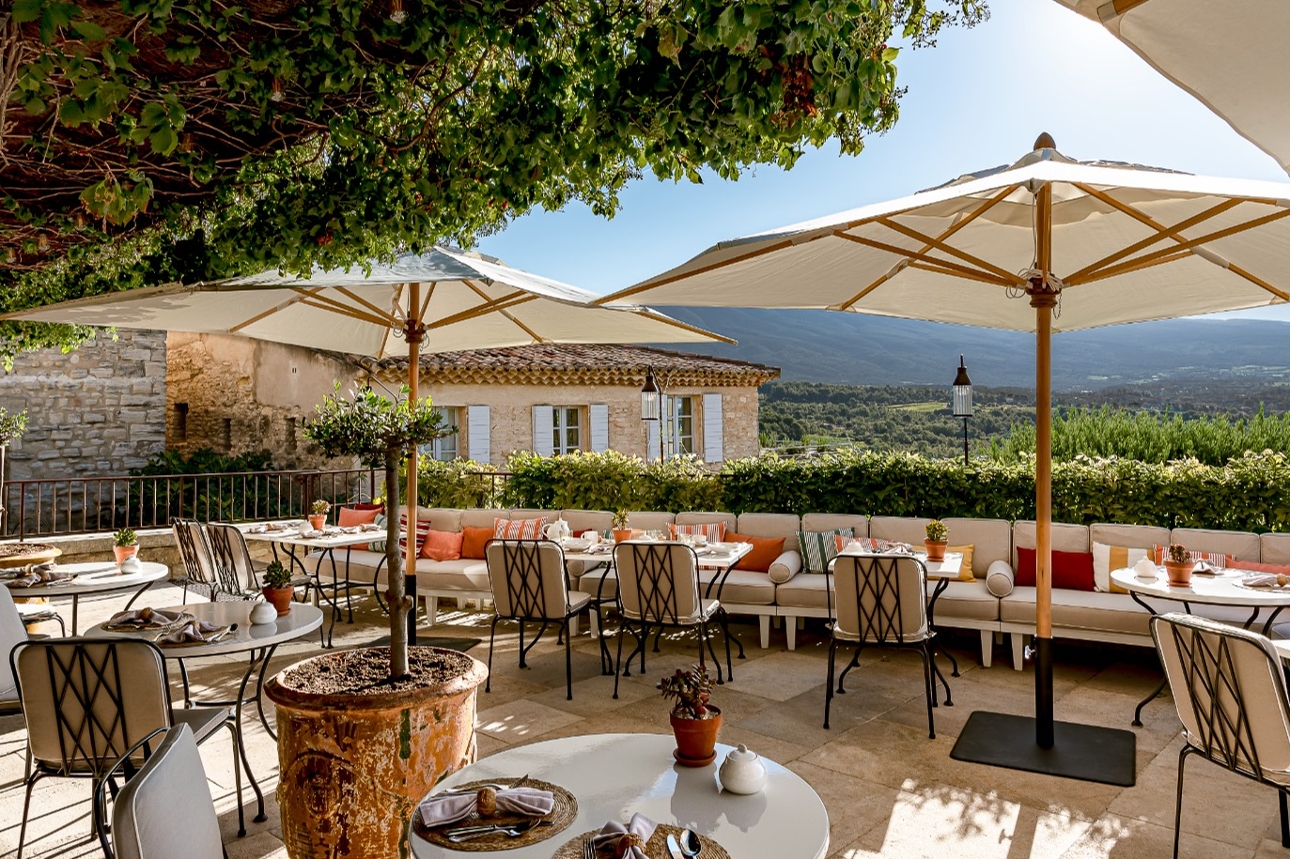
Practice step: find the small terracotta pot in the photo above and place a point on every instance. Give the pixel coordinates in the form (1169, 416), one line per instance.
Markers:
(935, 551)
(317, 522)
(696, 739)
(1180, 572)
(280, 598)
(622, 535)
(123, 552)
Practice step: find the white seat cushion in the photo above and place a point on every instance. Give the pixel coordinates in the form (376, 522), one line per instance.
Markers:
(966, 601)
(741, 587)
(203, 721)
(460, 575)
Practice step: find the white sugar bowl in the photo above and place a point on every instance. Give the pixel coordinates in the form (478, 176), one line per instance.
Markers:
(263, 612)
(132, 565)
(742, 771)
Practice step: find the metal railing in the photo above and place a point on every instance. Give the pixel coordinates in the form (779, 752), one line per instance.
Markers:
(44, 508)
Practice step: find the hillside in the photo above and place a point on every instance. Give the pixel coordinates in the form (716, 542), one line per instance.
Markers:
(853, 349)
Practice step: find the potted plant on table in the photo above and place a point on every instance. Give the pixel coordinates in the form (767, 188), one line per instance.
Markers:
(318, 514)
(620, 530)
(364, 734)
(277, 587)
(125, 544)
(936, 534)
(695, 721)
(1179, 565)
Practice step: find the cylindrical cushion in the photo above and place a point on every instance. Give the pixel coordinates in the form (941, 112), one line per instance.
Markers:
(785, 567)
(1000, 579)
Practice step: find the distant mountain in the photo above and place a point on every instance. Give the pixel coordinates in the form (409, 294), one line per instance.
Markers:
(851, 348)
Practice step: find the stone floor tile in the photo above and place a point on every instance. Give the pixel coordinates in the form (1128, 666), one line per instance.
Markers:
(522, 720)
(1115, 837)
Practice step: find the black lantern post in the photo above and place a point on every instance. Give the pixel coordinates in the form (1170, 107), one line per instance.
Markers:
(961, 403)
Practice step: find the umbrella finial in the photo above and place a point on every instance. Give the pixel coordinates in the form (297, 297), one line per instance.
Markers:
(1045, 141)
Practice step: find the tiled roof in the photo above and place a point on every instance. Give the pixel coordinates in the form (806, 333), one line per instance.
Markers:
(586, 364)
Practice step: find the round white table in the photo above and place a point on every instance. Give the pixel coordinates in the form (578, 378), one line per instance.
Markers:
(616, 775)
(96, 578)
(258, 639)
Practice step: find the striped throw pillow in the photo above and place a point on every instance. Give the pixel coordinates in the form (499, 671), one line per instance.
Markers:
(377, 545)
(518, 529)
(1109, 558)
(1214, 559)
(714, 531)
(423, 531)
(820, 547)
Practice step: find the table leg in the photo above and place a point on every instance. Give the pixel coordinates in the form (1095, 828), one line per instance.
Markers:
(941, 586)
(76, 601)
(238, 707)
(1137, 713)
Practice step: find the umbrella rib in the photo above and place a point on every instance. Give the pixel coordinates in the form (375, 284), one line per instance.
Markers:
(425, 305)
(663, 281)
(519, 297)
(911, 256)
(358, 299)
(894, 270)
(394, 322)
(1162, 231)
(967, 274)
(275, 309)
(684, 326)
(1137, 265)
(323, 302)
(951, 250)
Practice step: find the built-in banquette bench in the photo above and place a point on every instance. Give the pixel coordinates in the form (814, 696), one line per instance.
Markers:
(996, 598)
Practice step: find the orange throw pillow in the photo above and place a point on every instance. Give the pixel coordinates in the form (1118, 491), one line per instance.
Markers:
(473, 542)
(350, 516)
(443, 545)
(764, 551)
(1258, 566)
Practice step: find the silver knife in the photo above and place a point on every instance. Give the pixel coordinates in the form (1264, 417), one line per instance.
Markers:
(673, 848)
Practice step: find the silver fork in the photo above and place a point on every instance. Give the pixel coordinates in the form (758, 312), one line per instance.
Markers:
(589, 848)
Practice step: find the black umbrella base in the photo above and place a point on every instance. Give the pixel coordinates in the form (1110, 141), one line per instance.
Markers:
(1084, 752)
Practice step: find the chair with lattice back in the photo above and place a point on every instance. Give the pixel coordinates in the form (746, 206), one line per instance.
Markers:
(1230, 690)
(87, 701)
(218, 573)
(880, 601)
(530, 584)
(658, 586)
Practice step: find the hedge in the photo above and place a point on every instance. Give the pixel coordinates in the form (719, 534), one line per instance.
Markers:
(1249, 493)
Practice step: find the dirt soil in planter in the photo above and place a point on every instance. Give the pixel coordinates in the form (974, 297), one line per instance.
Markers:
(366, 671)
(23, 550)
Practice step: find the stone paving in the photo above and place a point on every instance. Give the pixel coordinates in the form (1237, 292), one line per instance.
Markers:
(889, 790)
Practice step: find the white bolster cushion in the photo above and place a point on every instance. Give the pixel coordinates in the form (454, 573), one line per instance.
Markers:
(999, 578)
(785, 567)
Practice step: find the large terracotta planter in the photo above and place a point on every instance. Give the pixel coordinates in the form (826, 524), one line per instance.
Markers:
(696, 739)
(353, 766)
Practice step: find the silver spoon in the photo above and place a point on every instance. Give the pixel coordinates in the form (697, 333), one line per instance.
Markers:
(690, 845)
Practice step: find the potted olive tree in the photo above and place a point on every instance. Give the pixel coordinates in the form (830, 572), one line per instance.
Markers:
(364, 734)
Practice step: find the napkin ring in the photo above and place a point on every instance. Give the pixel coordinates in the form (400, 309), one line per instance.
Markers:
(627, 842)
(486, 802)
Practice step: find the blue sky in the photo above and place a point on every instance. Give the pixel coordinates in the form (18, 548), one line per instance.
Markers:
(978, 99)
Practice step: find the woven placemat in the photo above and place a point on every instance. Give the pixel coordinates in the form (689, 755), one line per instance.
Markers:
(562, 814)
(656, 848)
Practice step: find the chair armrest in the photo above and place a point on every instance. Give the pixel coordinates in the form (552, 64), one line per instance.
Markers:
(1000, 579)
(783, 568)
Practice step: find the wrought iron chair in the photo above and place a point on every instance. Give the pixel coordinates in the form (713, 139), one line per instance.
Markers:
(658, 586)
(195, 552)
(87, 701)
(530, 583)
(882, 601)
(1230, 691)
(233, 562)
(169, 786)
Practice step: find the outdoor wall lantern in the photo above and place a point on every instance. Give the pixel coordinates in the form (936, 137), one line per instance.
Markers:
(650, 397)
(961, 402)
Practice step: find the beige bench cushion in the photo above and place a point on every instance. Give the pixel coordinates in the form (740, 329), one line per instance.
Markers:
(362, 565)
(441, 518)
(836, 521)
(742, 587)
(590, 583)
(650, 520)
(1238, 544)
(481, 517)
(461, 575)
(588, 520)
(1077, 610)
(966, 601)
(773, 525)
(905, 529)
(1128, 536)
(1274, 548)
(1066, 538)
(991, 540)
(806, 590)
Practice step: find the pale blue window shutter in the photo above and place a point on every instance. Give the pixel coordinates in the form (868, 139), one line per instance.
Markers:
(651, 441)
(599, 413)
(543, 429)
(713, 442)
(478, 434)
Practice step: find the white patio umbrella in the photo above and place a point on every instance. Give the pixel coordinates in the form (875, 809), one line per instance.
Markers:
(440, 301)
(1046, 244)
(1229, 54)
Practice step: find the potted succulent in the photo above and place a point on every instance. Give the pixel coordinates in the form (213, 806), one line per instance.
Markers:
(363, 734)
(936, 534)
(695, 722)
(125, 544)
(1179, 564)
(277, 587)
(620, 529)
(318, 514)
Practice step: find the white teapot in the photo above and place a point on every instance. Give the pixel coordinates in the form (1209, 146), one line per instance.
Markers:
(742, 771)
(557, 530)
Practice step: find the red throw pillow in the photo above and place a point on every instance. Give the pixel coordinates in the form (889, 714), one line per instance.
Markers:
(1071, 570)
(423, 528)
(1258, 566)
(473, 542)
(764, 551)
(443, 545)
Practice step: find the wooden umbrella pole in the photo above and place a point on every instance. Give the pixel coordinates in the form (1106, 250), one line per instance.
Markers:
(413, 331)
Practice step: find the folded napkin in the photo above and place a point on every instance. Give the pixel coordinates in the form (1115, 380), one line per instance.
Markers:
(636, 835)
(600, 549)
(446, 808)
(258, 529)
(1146, 568)
(1265, 580)
(41, 574)
(371, 526)
(192, 633)
(144, 617)
(313, 535)
(350, 529)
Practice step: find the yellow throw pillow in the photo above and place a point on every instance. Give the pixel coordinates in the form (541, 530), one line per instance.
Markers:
(1108, 558)
(965, 571)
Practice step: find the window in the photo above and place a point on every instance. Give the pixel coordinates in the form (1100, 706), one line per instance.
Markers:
(566, 429)
(444, 449)
(678, 426)
(181, 421)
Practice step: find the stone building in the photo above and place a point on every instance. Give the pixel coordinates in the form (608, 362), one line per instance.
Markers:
(236, 395)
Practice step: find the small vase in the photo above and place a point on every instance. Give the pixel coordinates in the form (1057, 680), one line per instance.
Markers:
(280, 598)
(696, 739)
(123, 552)
(622, 535)
(317, 522)
(1180, 572)
(935, 551)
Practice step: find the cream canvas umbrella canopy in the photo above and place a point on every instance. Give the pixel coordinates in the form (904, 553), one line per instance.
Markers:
(440, 301)
(1046, 244)
(1229, 54)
